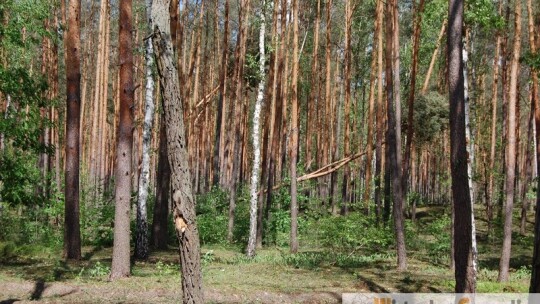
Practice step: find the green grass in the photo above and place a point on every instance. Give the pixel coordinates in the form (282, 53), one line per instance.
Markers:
(229, 276)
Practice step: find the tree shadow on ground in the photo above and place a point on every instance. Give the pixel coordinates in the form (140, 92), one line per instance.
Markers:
(39, 288)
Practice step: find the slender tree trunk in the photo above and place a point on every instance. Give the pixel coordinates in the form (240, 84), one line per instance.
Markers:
(121, 249)
(434, 58)
(141, 246)
(72, 232)
(221, 100)
(535, 276)
(494, 97)
(470, 151)
(294, 133)
(412, 92)
(371, 112)
(256, 140)
(534, 101)
(463, 252)
(345, 195)
(380, 113)
(313, 93)
(511, 148)
(182, 193)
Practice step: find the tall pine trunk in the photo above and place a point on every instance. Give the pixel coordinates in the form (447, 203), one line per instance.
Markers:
(121, 249)
(72, 232)
(511, 148)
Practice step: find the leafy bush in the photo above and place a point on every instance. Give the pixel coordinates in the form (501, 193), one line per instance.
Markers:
(439, 230)
(213, 216)
(354, 231)
(97, 219)
(7, 251)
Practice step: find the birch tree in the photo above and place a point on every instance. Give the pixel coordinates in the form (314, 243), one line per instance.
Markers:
(256, 137)
(141, 246)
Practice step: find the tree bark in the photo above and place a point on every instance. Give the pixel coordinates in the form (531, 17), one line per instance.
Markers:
(379, 161)
(535, 276)
(463, 252)
(412, 92)
(255, 173)
(511, 148)
(141, 246)
(294, 133)
(371, 110)
(394, 146)
(121, 249)
(72, 233)
(182, 192)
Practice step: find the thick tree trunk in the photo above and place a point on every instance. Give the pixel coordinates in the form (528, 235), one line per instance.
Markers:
(463, 252)
(394, 146)
(182, 193)
(72, 233)
(121, 249)
(255, 173)
(511, 148)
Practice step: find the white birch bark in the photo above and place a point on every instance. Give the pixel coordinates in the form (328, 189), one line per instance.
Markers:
(470, 158)
(255, 173)
(144, 179)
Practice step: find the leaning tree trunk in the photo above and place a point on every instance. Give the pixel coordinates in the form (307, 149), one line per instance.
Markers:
(141, 245)
(463, 252)
(511, 149)
(181, 187)
(255, 173)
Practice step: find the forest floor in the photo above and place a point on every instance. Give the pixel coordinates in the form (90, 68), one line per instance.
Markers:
(273, 276)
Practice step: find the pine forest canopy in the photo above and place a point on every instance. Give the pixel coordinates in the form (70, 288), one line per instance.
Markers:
(340, 126)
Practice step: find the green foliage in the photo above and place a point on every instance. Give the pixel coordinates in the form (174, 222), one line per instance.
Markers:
(19, 177)
(352, 232)
(7, 251)
(484, 14)
(532, 60)
(97, 218)
(212, 217)
(439, 231)
(430, 116)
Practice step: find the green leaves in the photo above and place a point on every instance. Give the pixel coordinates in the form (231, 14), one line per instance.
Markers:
(484, 14)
